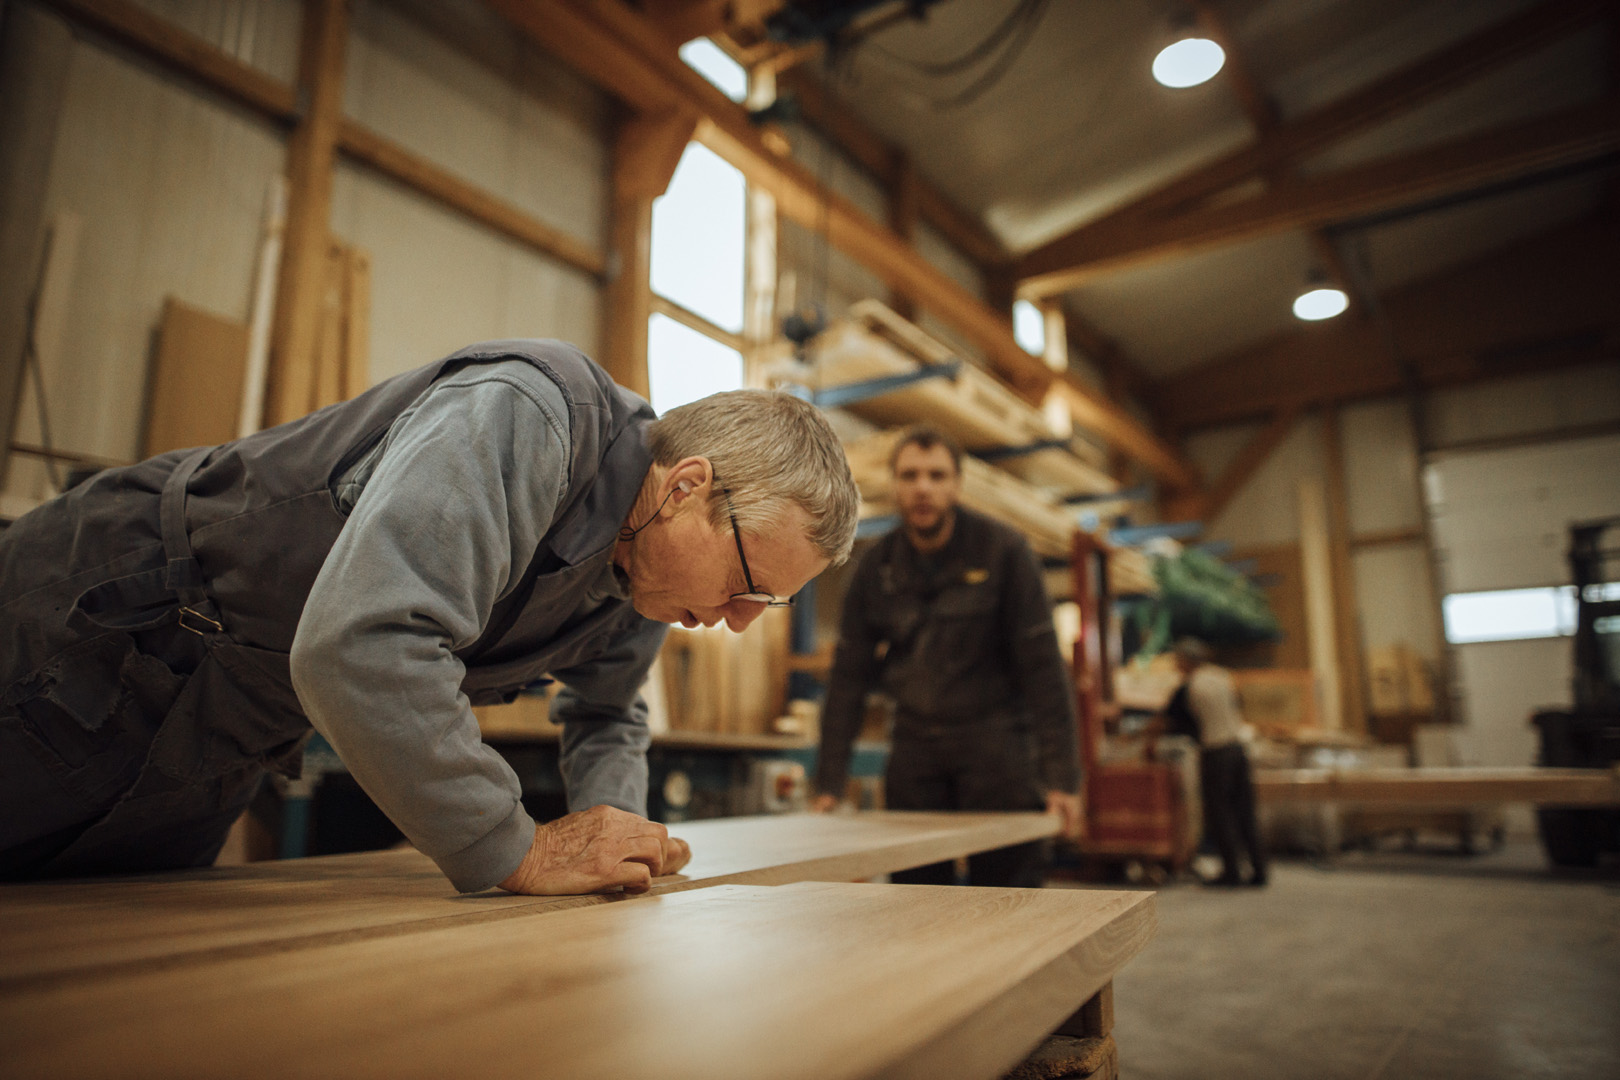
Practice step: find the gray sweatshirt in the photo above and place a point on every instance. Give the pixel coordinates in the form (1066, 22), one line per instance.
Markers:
(443, 517)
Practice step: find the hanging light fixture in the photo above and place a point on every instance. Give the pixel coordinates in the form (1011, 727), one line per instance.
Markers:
(1320, 300)
(1190, 59)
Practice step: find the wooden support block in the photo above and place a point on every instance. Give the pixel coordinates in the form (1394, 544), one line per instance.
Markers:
(1095, 1018)
(1064, 1057)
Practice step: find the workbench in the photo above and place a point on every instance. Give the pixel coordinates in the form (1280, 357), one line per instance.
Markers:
(762, 959)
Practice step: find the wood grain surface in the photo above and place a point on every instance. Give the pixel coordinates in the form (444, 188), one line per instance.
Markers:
(1440, 786)
(812, 980)
(76, 929)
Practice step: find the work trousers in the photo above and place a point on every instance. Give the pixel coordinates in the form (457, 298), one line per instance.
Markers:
(133, 731)
(1229, 818)
(972, 767)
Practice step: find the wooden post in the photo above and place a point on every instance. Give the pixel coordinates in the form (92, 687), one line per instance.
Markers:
(1347, 622)
(310, 155)
(1320, 622)
(645, 154)
(903, 204)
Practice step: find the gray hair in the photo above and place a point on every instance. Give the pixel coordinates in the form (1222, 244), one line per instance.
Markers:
(771, 450)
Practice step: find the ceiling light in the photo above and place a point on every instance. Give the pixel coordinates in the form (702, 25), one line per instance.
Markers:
(1188, 62)
(1320, 303)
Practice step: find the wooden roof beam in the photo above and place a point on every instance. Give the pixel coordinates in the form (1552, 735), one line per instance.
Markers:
(1313, 131)
(1537, 304)
(611, 45)
(1580, 135)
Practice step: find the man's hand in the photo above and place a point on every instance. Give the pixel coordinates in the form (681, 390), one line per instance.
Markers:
(676, 855)
(823, 803)
(1067, 806)
(597, 850)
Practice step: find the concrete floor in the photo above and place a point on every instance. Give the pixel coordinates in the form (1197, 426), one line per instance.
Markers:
(1387, 964)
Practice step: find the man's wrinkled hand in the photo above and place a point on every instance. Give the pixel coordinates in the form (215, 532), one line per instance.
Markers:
(822, 803)
(602, 849)
(676, 855)
(1067, 806)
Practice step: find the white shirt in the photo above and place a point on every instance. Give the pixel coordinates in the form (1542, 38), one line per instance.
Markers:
(1212, 697)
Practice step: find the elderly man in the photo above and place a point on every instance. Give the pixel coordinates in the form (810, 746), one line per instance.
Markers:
(170, 631)
(948, 615)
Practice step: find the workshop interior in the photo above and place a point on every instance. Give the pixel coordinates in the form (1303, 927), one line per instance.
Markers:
(1231, 389)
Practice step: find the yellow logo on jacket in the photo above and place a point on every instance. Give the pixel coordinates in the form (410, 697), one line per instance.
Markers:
(976, 577)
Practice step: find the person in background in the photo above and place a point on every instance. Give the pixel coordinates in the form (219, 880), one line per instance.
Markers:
(948, 615)
(1205, 707)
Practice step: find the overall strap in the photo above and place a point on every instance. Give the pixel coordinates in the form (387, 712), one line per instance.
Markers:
(183, 575)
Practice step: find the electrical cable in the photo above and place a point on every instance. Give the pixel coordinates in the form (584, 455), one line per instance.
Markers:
(978, 52)
(1011, 36)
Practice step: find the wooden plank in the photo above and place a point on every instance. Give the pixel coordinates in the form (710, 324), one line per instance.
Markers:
(356, 322)
(973, 408)
(1346, 618)
(310, 155)
(70, 930)
(1411, 534)
(1047, 524)
(195, 388)
(1440, 787)
(331, 334)
(1320, 599)
(1580, 135)
(815, 980)
(1419, 82)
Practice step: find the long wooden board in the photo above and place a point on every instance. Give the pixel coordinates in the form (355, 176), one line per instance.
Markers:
(823, 981)
(58, 931)
(1440, 787)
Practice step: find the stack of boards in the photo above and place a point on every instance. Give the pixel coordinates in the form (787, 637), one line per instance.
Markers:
(1026, 491)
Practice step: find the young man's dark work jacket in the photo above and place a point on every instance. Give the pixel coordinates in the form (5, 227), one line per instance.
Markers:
(962, 640)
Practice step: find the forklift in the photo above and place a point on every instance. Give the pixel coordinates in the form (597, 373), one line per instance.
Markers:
(1587, 735)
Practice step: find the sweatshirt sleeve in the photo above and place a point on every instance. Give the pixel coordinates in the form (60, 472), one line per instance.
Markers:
(465, 488)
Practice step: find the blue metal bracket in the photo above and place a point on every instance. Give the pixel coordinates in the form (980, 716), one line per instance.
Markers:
(867, 528)
(1136, 494)
(1215, 549)
(1175, 530)
(849, 393)
(1002, 453)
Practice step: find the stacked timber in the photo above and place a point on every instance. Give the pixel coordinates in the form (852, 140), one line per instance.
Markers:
(971, 406)
(1044, 521)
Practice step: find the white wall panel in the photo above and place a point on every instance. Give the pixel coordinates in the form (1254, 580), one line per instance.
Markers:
(261, 33)
(1503, 683)
(491, 110)
(169, 187)
(1393, 598)
(1527, 405)
(1380, 465)
(1501, 517)
(439, 281)
(1266, 510)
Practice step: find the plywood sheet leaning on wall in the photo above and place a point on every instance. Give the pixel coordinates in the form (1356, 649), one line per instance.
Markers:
(974, 407)
(194, 391)
(718, 681)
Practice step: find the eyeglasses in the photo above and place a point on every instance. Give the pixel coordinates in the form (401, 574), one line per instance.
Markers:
(753, 595)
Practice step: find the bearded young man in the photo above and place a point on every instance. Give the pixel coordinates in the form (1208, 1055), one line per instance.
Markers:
(948, 616)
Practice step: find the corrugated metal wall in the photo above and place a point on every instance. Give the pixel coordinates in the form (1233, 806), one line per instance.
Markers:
(167, 184)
